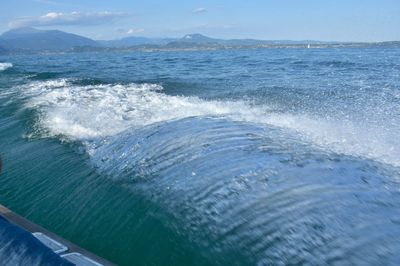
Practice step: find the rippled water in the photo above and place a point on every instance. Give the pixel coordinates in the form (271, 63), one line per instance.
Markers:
(255, 157)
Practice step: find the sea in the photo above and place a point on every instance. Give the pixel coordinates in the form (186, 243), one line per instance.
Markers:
(221, 157)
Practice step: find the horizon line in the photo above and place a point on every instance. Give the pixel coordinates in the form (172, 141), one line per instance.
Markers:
(211, 37)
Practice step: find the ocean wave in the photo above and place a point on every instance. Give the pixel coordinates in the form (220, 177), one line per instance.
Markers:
(235, 178)
(258, 192)
(85, 112)
(4, 66)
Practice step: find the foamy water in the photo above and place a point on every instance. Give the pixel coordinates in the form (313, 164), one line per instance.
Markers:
(260, 157)
(88, 112)
(4, 66)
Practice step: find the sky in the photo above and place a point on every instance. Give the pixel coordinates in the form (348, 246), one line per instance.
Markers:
(325, 20)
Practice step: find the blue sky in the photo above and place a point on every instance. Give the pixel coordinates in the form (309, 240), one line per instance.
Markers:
(338, 20)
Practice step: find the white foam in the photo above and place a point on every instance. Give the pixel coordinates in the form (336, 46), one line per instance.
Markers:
(87, 112)
(4, 66)
(343, 136)
(83, 112)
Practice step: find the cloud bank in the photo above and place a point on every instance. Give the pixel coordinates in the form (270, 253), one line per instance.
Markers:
(134, 31)
(199, 10)
(74, 18)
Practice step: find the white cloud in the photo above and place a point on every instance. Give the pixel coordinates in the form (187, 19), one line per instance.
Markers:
(134, 31)
(199, 10)
(73, 18)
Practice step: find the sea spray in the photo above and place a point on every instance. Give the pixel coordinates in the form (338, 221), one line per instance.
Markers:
(4, 66)
(92, 111)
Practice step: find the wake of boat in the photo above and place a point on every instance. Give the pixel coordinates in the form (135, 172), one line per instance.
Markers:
(96, 111)
(4, 66)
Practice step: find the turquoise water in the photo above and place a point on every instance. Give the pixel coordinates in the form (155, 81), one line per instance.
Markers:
(240, 157)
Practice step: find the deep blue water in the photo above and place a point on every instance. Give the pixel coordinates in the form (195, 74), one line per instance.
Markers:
(237, 157)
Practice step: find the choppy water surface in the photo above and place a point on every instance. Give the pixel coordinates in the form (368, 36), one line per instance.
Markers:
(250, 157)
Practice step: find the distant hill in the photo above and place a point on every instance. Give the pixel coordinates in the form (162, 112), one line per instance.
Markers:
(198, 38)
(41, 40)
(194, 40)
(135, 41)
(33, 40)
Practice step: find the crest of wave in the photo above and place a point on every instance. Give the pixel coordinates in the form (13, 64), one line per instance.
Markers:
(85, 112)
(4, 66)
(93, 111)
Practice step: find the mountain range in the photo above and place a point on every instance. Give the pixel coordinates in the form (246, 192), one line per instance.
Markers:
(37, 40)
(29, 39)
